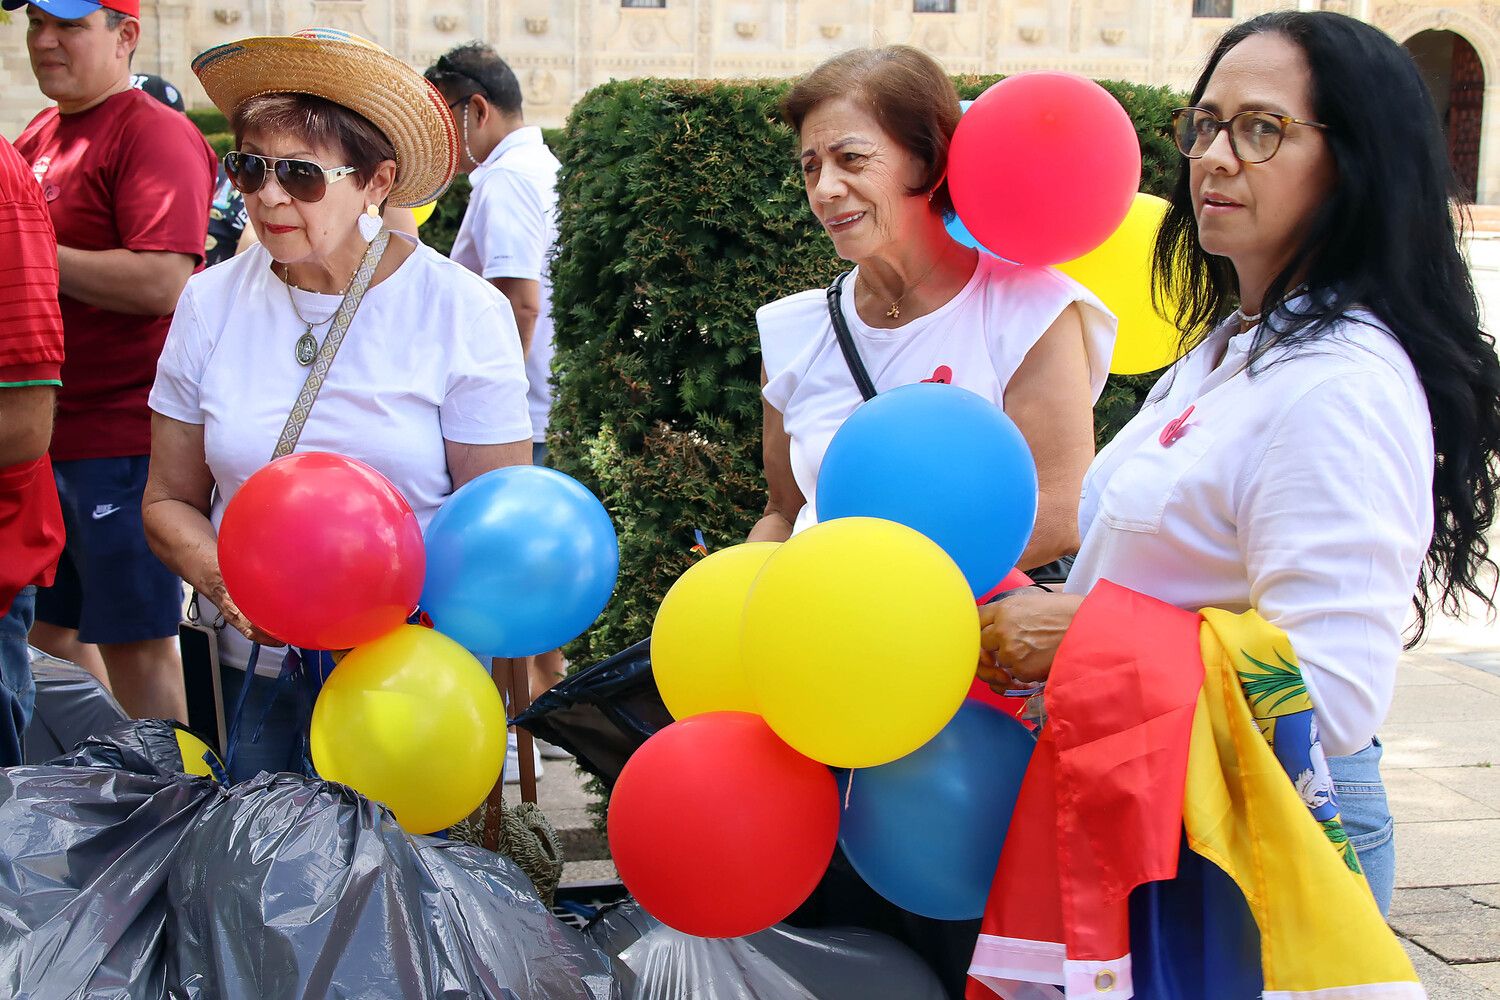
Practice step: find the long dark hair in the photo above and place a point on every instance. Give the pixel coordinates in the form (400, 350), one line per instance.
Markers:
(1387, 240)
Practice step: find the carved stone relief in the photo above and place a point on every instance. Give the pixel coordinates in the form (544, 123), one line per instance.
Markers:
(346, 14)
(541, 87)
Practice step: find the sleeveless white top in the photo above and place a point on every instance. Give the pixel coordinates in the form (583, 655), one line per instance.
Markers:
(976, 340)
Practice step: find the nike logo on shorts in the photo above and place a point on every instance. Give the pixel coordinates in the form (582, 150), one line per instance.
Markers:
(104, 510)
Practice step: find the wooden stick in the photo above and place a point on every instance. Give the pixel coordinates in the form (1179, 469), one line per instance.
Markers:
(520, 701)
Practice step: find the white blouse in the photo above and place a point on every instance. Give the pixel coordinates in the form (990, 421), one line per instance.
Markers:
(1303, 491)
(976, 340)
(431, 356)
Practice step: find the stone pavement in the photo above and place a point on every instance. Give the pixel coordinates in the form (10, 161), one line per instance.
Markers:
(1442, 772)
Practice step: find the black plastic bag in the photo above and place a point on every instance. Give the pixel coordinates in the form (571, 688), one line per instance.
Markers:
(292, 888)
(85, 854)
(121, 878)
(71, 705)
(602, 714)
(147, 746)
(654, 962)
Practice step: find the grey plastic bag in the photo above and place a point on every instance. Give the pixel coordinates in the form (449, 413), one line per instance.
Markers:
(123, 879)
(780, 963)
(295, 888)
(71, 704)
(85, 854)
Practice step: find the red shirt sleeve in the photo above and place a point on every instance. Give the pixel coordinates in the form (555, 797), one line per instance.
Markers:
(168, 172)
(31, 335)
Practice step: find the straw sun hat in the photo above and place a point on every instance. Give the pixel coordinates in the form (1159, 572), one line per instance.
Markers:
(354, 73)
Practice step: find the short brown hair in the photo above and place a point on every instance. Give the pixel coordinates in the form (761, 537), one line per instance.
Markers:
(906, 91)
(318, 122)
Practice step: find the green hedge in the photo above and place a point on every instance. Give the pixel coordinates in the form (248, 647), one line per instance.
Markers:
(210, 121)
(682, 211)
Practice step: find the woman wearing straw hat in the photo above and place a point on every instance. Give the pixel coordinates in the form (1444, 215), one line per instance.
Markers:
(415, 363)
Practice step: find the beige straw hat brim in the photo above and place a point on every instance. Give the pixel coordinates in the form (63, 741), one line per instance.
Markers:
(357, 74)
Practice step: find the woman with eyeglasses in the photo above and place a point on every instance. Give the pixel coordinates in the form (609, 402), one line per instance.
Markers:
(1327, 445)
(425, 382)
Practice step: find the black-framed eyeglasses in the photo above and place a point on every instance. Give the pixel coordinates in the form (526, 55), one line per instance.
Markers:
(462, 100)
(303, 180)
(1254, 136)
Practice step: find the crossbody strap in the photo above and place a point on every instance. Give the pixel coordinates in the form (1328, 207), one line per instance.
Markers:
(302, 408)
(846, 339)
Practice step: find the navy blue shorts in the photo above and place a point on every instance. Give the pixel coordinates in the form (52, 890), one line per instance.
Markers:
(110, 586)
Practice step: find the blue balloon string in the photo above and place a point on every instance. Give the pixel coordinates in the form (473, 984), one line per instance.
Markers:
(239, 708)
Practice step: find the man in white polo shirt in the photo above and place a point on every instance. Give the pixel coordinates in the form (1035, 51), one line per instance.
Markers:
(508, 234)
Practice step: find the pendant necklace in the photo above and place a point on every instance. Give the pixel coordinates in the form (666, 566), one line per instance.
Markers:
(894, 312)
(306, 348)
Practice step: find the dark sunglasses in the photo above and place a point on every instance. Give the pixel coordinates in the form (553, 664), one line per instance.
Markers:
(300, 179)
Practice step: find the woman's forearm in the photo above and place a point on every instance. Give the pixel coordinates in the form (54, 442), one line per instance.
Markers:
(773, 527)
(184, 540)
(1055, 534)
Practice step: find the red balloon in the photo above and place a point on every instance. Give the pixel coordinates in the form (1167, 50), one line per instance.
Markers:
(321, 551)
(1014, 580)
(1043, 167)
(979, 690)
(719, 828)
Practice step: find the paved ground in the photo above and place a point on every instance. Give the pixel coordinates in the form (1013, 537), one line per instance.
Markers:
(1442, 770)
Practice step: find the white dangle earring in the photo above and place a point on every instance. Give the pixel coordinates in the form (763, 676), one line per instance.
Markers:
(369, 224)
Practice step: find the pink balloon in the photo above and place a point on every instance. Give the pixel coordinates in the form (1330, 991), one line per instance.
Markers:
(1043, 167)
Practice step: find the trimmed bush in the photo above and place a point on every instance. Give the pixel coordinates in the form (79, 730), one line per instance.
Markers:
(682, 211)
(210, 121)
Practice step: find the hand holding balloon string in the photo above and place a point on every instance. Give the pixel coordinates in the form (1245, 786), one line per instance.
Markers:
(1019, 637)
(213, 588)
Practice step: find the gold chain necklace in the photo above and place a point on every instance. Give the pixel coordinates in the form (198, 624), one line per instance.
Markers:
(894, 312)
(306, 348)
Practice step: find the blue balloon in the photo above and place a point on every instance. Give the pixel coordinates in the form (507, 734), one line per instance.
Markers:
(925, 831)
(519, 561)
(960, 232)
(944, 461)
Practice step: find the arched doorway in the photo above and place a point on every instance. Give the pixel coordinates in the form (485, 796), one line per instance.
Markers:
(1455, 76)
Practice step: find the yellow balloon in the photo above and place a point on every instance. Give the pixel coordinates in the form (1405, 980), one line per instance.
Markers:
(860, 641)
(414, 721)
(695, 642)
(423, 212)
(197, 757)
(1119, 272)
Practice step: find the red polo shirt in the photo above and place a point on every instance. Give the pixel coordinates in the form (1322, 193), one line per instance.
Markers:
(129, 172)
(31, 353)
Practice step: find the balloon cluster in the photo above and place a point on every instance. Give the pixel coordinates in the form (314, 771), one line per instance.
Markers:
(1043, 169)
(851, 646)
(322, 552)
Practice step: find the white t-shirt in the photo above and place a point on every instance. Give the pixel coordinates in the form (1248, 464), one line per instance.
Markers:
(509, 231)
(976, 340)
(1304, 492)
(431, 355)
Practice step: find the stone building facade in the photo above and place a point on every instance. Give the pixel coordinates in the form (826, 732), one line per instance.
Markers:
(562, 48)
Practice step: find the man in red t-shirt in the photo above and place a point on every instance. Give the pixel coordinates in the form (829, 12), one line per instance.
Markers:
(128, 184)
(31, 354)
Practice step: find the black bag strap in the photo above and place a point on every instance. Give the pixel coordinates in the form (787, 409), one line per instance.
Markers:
(846, 339)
